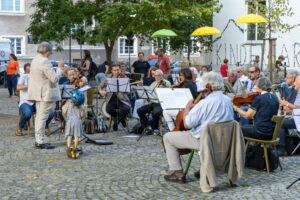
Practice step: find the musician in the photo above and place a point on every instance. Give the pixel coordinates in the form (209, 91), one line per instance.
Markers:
(241, 75)
(115, 100)
(123, 68)
(81, 80)
(187, 78)
(235, 84)
(261, 110)
(254, 73)
(71, 75)
(197, 79)
(289, 85)
(293, 102)
(154, 105)
(216, 107)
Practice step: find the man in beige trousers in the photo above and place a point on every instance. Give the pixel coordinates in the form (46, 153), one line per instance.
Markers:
(43, 90)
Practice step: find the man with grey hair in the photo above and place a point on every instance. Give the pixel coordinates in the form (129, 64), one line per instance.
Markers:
(43, 90)
(241, 76)
(154, 105)
(289, 85)
(235, 83)
(216, 107)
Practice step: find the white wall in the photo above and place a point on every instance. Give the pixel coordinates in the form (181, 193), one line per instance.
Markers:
(234, 45)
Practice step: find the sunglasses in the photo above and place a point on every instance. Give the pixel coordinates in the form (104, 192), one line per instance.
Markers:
(251, 72)
(238, 71)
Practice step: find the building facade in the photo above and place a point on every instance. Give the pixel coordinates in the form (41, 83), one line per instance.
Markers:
(241, 47)
(15, 19)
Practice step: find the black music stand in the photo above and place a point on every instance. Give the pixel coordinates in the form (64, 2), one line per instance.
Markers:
(145, 92)
(116, 85)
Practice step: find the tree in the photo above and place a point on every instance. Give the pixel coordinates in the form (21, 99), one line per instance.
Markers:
(273, 11)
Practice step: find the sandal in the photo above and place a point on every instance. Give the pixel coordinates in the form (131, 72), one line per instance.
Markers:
(18, 132)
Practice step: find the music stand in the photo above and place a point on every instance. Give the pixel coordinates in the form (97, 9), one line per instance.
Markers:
(116, 85)
(145, 92)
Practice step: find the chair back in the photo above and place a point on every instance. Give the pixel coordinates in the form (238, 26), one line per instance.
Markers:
(279, 121)
(90, 96)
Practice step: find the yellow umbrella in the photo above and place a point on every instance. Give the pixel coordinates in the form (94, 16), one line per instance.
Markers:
(251, 18)
(206, 30)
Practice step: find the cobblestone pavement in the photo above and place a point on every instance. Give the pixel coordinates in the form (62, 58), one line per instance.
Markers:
(126, 170)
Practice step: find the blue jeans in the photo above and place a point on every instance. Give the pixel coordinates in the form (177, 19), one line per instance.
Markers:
(243, 120)
(12, 81)
(27, 110)
(100, 77)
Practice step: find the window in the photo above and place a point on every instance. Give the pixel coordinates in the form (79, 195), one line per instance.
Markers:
(11, 5)
(126, 46)
(164, 43)
(17, 44)
(194, 49)
(255, 31)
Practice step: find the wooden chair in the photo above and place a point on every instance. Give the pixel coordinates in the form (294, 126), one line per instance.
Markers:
(279, 121)
(28, 122)
(90, 100)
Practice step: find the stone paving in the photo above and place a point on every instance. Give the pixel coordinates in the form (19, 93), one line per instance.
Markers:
(126, 170)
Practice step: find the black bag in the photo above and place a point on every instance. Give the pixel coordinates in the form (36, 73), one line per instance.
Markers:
(93, 70)
(137, 129)
(90, 123)
(255, 158)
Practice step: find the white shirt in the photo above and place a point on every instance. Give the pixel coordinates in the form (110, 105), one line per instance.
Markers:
(23, 80)
(251, 87)
(200, 84)
(243, 78)
(215, 108)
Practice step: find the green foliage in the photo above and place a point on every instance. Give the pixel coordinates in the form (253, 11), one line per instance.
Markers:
(274, 11)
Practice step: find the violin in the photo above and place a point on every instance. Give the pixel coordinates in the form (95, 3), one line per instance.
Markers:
(122, 76)
(241, 100)
(179, 119)
(178, 85)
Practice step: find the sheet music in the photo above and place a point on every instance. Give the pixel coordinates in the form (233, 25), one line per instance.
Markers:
(85, 88)
(141, 91)
(296, 116)
(112, 85)
(67, 90)
(176, 98)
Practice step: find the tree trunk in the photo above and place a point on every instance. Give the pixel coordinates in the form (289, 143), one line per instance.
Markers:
(158, 43)
(189, 54)
(108, 51)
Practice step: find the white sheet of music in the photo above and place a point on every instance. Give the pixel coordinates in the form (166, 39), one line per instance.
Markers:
(173, 98)
(296, 116)
(122, 82)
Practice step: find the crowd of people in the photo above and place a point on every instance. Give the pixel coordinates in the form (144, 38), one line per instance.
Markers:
(39, 91)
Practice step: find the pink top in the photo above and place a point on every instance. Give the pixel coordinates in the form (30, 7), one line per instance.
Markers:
(164, 64)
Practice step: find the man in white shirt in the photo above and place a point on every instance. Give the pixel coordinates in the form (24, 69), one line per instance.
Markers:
(197, 79)
(241, 76)
(26, 107)
(216, 107)
(254, 73)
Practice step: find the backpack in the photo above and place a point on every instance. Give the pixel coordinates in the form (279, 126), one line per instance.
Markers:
(101, 126)
(90, 123)
(93, 70)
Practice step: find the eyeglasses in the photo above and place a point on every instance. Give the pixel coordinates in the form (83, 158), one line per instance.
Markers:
(238, 71)
(251, 72)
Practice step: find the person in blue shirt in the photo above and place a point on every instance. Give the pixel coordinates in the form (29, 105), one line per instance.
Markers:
(261, 110)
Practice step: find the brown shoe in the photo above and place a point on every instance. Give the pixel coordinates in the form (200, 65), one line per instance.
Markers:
(18, 132)
(176, 177)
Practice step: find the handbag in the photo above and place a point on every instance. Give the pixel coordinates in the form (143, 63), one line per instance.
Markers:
(255, 158)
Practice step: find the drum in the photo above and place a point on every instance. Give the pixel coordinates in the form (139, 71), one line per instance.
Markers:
(103, 110)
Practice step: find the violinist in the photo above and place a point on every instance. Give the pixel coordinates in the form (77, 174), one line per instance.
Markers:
(186, 81)
(261, 110)
(235, 83)
(115, 100)
(81, 80)
(154, 105)
(216, 107)
(71, 75)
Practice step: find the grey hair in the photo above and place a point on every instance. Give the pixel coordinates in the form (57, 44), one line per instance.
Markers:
(44, 47)
(160, 72)
(195, 71)
(293, 73)
(214, 79)
(265, 84)
(242, 69)
(233, 71)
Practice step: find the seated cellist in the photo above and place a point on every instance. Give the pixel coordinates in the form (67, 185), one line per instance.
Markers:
(216, 107)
